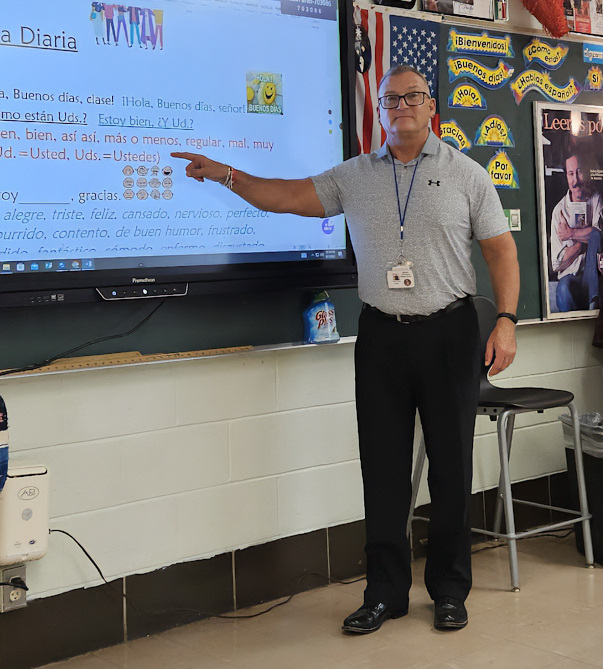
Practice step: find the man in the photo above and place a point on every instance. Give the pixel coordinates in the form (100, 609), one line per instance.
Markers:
(412, 209)
(576, 239)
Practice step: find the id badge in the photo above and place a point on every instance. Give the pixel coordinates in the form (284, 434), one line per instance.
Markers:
(400, 276)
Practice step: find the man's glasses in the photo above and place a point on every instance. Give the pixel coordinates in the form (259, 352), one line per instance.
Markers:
(412, 99)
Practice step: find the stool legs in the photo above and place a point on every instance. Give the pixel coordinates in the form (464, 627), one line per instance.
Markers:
(499, 498)
(504, 427)
(504, 453)
(588, 544)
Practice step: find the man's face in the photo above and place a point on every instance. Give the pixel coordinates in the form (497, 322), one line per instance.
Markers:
(578, 178)
(405, 120)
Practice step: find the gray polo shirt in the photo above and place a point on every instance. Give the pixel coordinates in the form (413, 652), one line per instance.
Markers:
(452, 201)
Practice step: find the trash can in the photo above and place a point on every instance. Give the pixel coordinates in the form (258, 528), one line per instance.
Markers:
(591, 435)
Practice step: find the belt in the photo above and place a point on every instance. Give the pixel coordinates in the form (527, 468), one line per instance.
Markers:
(404, 318)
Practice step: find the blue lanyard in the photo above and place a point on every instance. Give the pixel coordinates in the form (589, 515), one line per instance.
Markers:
(401, 214)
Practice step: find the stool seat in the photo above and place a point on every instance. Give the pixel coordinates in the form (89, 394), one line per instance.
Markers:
(502, 405)
(530, 399)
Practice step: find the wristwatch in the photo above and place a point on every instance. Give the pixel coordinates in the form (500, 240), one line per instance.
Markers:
(511, 317)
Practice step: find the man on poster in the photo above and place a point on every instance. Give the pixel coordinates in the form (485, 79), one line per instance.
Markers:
(576, 238)
(413, 209)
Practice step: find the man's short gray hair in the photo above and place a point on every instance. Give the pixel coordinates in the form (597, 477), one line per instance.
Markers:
(401, 69)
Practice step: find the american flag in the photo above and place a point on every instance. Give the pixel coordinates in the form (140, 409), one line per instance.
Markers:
(394, 40)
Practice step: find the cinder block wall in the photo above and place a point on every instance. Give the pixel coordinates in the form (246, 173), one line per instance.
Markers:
(162, 463)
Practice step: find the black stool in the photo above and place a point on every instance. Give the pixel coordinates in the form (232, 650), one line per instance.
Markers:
(502, 405)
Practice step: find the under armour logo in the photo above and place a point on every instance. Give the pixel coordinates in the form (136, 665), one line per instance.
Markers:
(431, 182)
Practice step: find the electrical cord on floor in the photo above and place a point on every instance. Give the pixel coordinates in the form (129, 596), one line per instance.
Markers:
(65, 354)
(274, 606)
(205, 614)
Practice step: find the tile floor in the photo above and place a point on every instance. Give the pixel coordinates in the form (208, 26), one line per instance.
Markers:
(556, 621)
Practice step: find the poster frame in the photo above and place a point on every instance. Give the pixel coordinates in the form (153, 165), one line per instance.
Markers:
(549, 310)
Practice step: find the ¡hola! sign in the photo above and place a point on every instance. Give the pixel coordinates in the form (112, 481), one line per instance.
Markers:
(467, 96)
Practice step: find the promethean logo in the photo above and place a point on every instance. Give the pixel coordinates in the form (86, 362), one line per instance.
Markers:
(145, 280)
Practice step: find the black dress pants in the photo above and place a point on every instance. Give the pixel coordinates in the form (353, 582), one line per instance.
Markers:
(432, 366)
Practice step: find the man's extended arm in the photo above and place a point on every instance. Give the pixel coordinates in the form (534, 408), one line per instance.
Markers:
(295, 196)
(500, 254)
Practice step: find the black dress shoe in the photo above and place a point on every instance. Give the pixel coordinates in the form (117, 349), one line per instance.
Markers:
(369, 618)
(450, 614)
